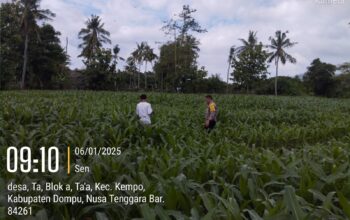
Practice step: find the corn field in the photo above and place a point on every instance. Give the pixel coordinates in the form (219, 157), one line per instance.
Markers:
(267, 158)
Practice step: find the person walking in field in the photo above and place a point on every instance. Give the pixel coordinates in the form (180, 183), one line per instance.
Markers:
(212, 111)
(144, 110)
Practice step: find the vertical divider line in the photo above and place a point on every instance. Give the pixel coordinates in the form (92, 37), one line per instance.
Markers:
(68, 160)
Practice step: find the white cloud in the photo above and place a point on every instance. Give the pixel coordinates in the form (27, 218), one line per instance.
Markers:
(321, 30)
(68, 21)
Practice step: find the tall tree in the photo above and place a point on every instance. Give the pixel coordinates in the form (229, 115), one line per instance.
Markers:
(116, 50)
(131, 69)
(47, 60)
(170, 28)
(344, 68)
(249, 62)
(31, 13)
(180, 65)
(250, 66)
(138, 54)
(251, 42)
(341, 82)
(149, 57)
(188, 22)
(319, 77)
(93, 36)
(231, 55)
(10, 41)
(187, 68)
(184, 23)
(116, 57)
(101, 71)
(278, 45)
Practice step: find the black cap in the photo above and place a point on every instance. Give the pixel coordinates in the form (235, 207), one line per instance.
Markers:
(143, 96)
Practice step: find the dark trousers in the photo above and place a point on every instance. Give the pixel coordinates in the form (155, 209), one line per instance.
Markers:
(211, 125)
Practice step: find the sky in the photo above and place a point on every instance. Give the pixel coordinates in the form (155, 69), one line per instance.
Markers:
(320, 27)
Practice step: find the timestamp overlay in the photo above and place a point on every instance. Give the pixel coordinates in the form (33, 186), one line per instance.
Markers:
(53, 176)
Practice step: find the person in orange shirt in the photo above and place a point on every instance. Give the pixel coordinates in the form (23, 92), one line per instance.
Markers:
(212, 111)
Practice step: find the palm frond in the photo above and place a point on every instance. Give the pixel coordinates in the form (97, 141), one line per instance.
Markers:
(272, 57)
(278, 44)
(93, 36)
(290, 58)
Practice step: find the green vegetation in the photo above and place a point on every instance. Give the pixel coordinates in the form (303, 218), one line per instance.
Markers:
(177, 66)
(286, 86)
(30, 15)
(278, 45)
(269, 157)
(93, 36)
(319, 77)
(31, 55)
(32, 58)
(249, 63)
(341, 86)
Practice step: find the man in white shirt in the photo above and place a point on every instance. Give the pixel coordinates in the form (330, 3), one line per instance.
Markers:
(144, 110)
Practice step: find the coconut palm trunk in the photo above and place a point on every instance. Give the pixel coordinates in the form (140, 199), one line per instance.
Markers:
(31, 14)
(129, 81)
(278, 44)
(230, 58)
(276, 78)
(175, 52)
(139, 76)
(228, 77)
(25, 58)
(145, 75)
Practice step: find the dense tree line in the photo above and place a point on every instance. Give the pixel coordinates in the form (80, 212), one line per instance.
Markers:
(32, 58)
(250, 61)
(31, 55)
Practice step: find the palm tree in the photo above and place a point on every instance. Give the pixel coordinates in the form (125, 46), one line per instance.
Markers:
(31, 13)
(149, 56)
(144, 55)
(93, 36)
(131, 69)
(116, 57)
(138, 55)
(231, 55)
(248, 44)
(278, 45)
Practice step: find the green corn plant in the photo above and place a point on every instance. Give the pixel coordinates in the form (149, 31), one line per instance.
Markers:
(267, 158)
